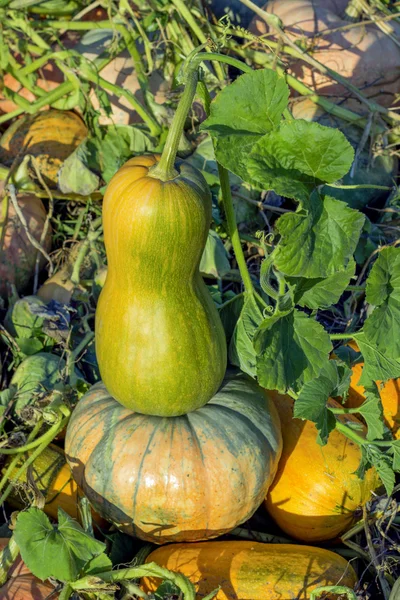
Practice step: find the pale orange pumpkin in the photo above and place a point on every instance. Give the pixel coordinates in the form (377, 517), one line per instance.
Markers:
(390, 397)
(49, 136)
(183, 478)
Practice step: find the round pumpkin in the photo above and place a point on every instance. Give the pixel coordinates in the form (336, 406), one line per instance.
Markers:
(160, 343)
(315, 494)
(22, 585)
(390, 397)
(251, 570)
(184, 478)
(17, 255)
(364, 55)
(50, 136)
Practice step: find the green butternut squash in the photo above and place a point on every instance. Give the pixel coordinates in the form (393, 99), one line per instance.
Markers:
(160, 343)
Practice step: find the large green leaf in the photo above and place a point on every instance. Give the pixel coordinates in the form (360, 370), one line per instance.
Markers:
(319, 239)
(383, 291)
(291, 348)
(299, 156)
(321, 292)
(242, 113)
(61, 552)
(377, 366)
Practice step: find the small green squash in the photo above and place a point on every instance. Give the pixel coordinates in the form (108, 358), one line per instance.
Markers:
(160, 343)
(184, 478)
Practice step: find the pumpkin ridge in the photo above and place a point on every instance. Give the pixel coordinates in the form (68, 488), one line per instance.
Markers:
(138, 479)
(249, 422)
(206, 487)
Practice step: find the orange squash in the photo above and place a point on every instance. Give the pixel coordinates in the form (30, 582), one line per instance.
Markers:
(390, 397)
(50, 136)
(17, 255)
(389, 393)
(253, 571)
(22, 585)
(316, 494)
(364, 55)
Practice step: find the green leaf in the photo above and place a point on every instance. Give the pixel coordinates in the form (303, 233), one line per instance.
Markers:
(22, 320)
(372, 411)
(318, 239)
(29, 346)
(166, 589)
(383, 466)
(242, 113)
(61, 552)
(215, 259)
(298, 157)
(395, 450)
(395, 593)
(347, 355)
(40, 374)
(75, 177)
(98, 564)
(102, 155)
(230, 314)
(311, 404)
(241, 349)
(383, 291)
(321, 292)
(203, 158)
(377, 366)
(291, 350)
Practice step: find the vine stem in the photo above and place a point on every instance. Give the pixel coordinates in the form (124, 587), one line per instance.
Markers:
(8, 556)
(355, 288)
(184, 11)
(165, 170)
(359, 186)
(233, 229)
(226, 188)
(341, 336)
(46, 439)
(13, 462)
(49, 435)
(148, 570)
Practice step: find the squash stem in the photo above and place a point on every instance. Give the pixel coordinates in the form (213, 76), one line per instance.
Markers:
(233, 229)
(165, 170)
